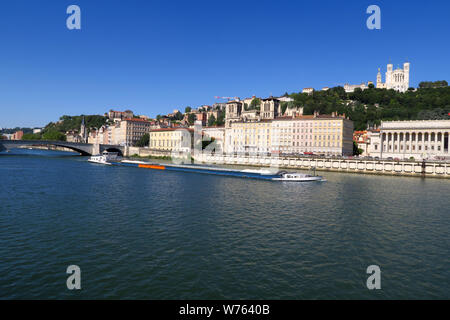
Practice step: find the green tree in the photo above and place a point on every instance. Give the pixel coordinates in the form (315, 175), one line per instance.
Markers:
(54, 135)
(143, 141)
(31, 136)
(179, 116)
(356, 151)
(211, 121)
(284, 106)
(187, 109)
(255, 104)
(67, 123)
(431, 84)
(220, 118)
(191, 118)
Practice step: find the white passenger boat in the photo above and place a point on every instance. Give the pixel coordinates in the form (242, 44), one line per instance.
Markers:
(105, 158)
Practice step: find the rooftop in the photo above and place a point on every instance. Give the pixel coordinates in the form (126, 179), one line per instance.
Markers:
(137, 120)
(172, 129)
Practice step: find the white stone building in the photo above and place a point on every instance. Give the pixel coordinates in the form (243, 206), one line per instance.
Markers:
(351, 87)
(308, 90)
(397, 79)
(419, 139)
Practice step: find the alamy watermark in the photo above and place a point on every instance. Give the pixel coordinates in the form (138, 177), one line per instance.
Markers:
(74, 280)
(374, 21)
(374, 280)
(73, 22)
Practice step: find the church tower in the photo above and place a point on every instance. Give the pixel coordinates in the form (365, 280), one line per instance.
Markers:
(83, 132)
(406, 74)
(390, 67)
(379, 81)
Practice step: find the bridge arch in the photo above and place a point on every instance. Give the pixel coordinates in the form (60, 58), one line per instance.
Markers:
(113, 149)
(85, 149)
(80, 151)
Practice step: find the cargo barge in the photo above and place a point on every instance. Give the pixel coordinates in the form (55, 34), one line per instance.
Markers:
(262, 174)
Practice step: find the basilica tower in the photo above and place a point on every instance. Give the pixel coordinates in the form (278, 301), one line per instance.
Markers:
(406, 74)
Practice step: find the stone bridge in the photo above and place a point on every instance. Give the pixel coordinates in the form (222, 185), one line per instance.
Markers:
(85, 149)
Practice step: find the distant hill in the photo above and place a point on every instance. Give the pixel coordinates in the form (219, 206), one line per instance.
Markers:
(57, 130)
(67, 123)
(373, 105)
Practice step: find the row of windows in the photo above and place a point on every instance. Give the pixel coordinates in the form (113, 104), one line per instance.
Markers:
(287, 150)
(413, 148)
(285, 137)
(165, 143)
(323, 124)
(166, 134)
(288, 125)
(295, 143)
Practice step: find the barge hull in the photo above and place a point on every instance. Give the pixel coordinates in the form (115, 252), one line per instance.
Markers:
(204, 170)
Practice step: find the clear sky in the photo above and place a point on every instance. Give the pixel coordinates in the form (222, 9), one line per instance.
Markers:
(155, 56)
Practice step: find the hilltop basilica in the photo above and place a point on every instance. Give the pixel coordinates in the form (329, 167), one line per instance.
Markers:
(397, 79)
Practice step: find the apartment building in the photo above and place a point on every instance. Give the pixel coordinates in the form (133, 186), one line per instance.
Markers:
(250, 137)
(318, 134)
(129, 131)
(332, 135)
(119, 115)
(17, 135)
(171, 139)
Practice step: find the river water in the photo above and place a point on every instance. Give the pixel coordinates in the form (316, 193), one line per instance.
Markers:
(144, 234)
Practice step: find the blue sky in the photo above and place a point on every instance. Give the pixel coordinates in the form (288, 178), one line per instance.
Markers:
(155, 56)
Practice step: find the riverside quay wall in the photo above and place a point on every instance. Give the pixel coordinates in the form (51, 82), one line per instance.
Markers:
(145, 152)
(387, 167)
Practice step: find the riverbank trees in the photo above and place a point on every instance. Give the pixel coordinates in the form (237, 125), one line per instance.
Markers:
(371, 106)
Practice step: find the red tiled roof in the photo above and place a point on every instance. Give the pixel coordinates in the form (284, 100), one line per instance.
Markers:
(137, 120)
(171, 129)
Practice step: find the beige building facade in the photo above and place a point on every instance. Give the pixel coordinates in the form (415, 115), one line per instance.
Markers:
(318, 134)
(251, 137)
(129, 131)
(171, 139)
